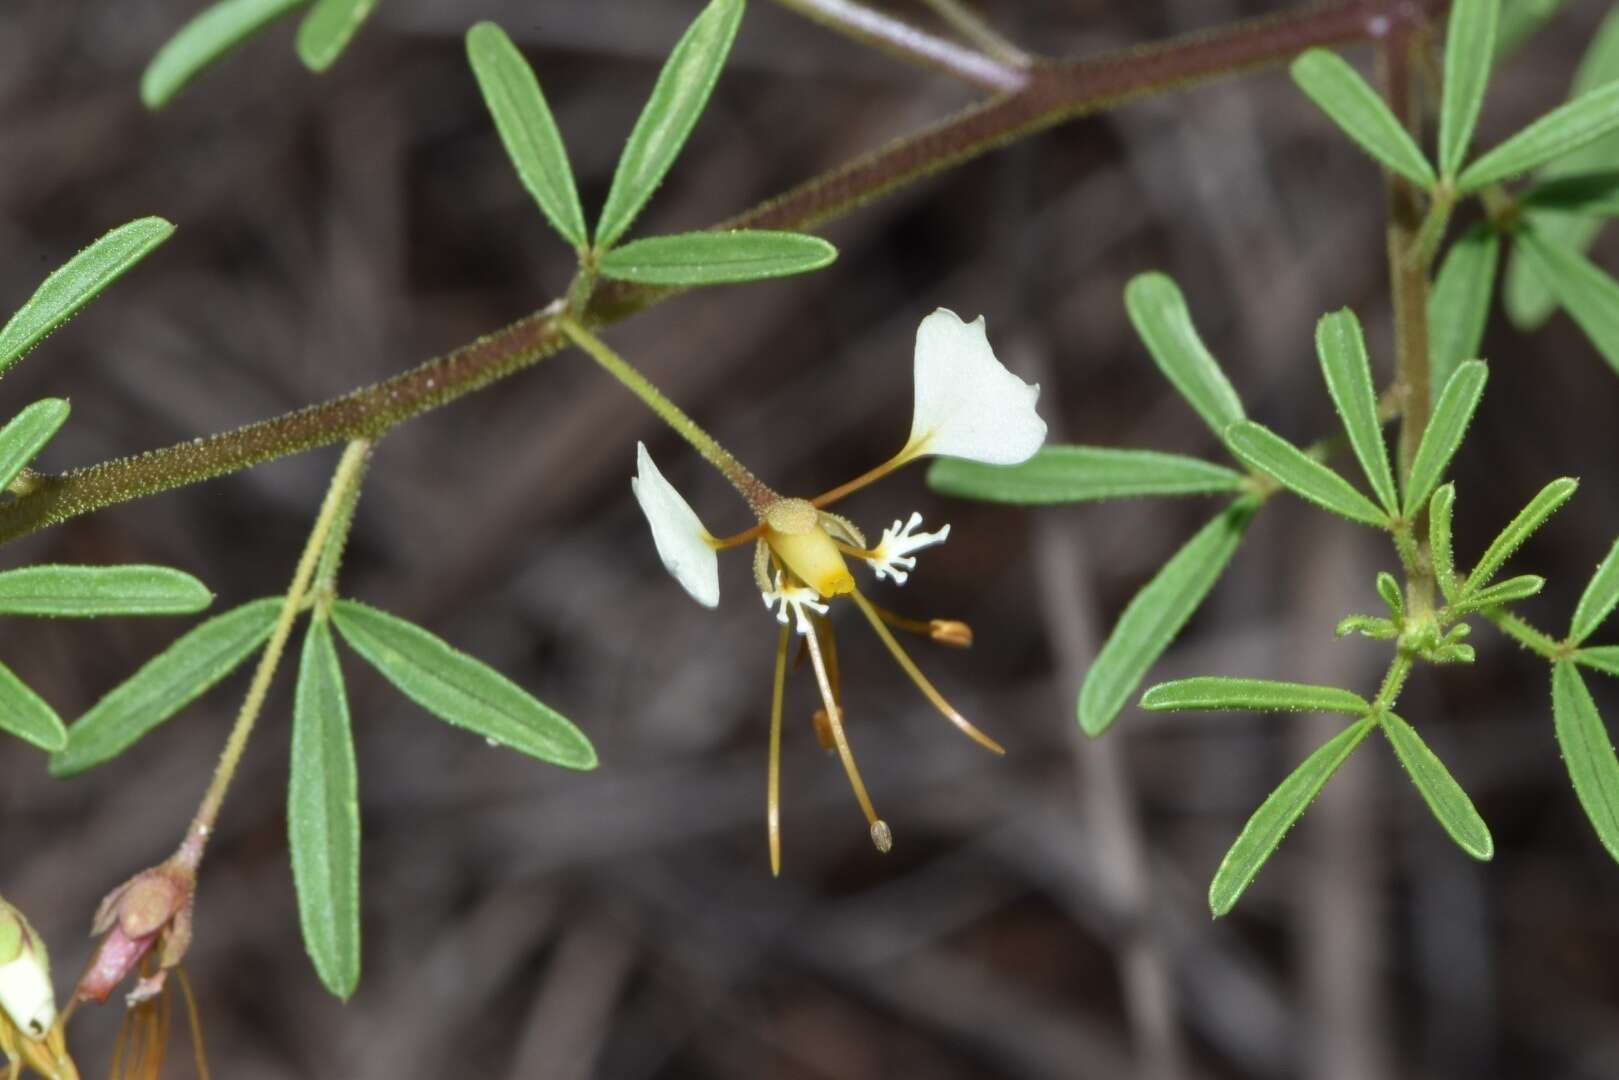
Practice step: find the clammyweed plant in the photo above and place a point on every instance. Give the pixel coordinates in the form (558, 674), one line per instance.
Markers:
(969, 411)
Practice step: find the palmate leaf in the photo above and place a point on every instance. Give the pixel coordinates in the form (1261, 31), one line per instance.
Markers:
(208, 38)
(1545, 503)
(1469, 56)
(1459, 305)
(1156, 614)
(84, 592)
(1261, 448)
(76, 282)
(716, 258)
(1250, 695)
(327, 29)
(678, 99)
(1598, 600)
(25, 436)
(25, 714)
(1342, 349)
(459, 689)
(1444, 796)
(1587, 753)
(1067, 474)
(1447, 425)
(166, 684)
(527, 129)
(1360, 112)
(323, 815)
(1159, 314)
(1276, 815)
(1586, 292)
(1560, 132)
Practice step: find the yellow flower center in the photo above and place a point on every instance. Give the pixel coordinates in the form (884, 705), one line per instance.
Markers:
(793, 531)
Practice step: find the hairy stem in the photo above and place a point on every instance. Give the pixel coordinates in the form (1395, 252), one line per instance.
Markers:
(1540, 644)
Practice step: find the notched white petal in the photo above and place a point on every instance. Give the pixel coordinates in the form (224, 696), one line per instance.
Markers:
(967, 404)
(683, 544)
(892, 557)
(800, 600)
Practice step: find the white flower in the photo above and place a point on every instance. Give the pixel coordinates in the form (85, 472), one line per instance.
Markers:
(891, 557)
(686, 548)
(967, 404)
(25, 981)
(798, 599)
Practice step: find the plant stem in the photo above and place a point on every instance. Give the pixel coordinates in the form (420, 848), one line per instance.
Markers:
(1393, 681)
(1056, 93)
(341, 494)
(758, 495)
(1515, 628)
(909, 43)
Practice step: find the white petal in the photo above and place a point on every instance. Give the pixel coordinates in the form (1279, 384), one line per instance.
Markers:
(967, 404)
(26, 995)
(681, 539)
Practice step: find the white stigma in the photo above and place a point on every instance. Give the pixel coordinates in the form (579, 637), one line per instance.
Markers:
(799, 599)
(891, 558)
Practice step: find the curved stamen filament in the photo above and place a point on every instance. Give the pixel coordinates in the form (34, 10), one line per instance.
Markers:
(880, 834)
(909, 667)
(773, 793)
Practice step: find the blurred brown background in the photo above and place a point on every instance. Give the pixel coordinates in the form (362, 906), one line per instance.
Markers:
(1040, 916)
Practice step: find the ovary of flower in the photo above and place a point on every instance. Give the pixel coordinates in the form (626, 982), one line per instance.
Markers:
(799, 599)
(891, 558)
(686, 548)
(967, 404)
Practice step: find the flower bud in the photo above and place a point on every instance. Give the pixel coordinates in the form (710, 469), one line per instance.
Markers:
(152, 908)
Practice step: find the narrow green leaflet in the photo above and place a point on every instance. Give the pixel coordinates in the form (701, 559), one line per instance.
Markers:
(1159, 314)
(25, 714)
(1592, 193)
(1065, 474)
(1598, 600)
(1459, 306)
(1587, 753)
(1589, 295)
(323, 815)
(208, 38)
(527, 129)
(1512, 589)
(1521, 20)
(1263, 449)
(1469, 55)
(1338, 90)
(26, 435)
(1440, 509)
(677, 100)
(459, 689)
(327, 30)
(1277, 814)
(1444, 796)
(166, 684)
(1603, 658)
(1156, 615)
(84, 592)
(716, 258)
(1393, 598)
(1520, 528)
(1447, 425)
(1251, 695)
(1561, 131)
(76, 282)
(1342, 349)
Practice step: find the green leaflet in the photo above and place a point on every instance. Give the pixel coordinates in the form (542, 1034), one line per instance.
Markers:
(1587, 753)
(1601, 593)
(527, 129)
(1446, 427)
(1156, 615)
(1440, 509)
(1520, 528)
(1518, 588)
(1393, 598)
(323, 815)
(1251, 695)
(1065, 474)
(1589, 295)
(1521, 20)
(327, 30)
(678, 99)
(1342, 349)
(25, 714)
(1260, 448)
(90, 591)
(1338, 90)
(1603, 658)
(25, 436)
(77, 282)
(716, 258)
(208, 38)
(1469, 56)
(166, 684)
(1592, 193)
(459, 689)
(1459, 306)
(1444, 796)
(1161, 319)
(1562, 131)
(1277, 814)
